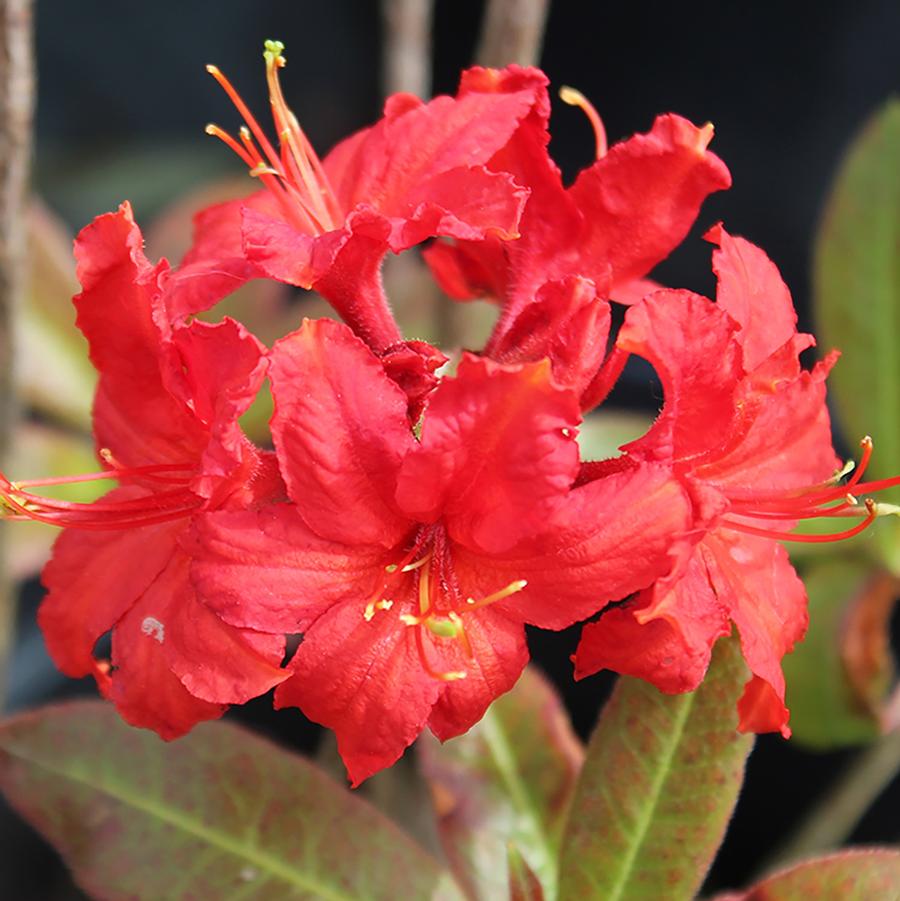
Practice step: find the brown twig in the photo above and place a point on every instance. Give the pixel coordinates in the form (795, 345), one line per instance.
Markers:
(512, 32)
(16, 106)
(407, 46)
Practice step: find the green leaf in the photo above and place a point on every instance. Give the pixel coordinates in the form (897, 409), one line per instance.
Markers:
(604, 432)
(864, 875)
(218, 814)
(825, 711)
(857, 297)
(657, 789)
(508, 780)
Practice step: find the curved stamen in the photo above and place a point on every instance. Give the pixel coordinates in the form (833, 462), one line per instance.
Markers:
(149, 509)
(812, 496)
(575, 98)
(294, 175)
(871, 514)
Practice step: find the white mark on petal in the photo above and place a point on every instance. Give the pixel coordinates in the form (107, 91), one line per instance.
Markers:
(740, 554)
(154, 628)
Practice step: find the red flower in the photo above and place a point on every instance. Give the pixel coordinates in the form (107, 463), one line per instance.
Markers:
(418, 172)
(411, 566)
(165, 420)
(748, 433)
(621, 216)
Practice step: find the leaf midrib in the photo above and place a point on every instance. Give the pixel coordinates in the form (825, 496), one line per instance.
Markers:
(217, 839)
(646, 819)
(522, 800)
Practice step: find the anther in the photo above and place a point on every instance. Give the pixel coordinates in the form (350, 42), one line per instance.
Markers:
(512, 588)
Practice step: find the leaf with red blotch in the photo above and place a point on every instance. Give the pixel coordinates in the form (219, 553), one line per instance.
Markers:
(507, 782)
(857, 875)
(657, 788)
(219, 814)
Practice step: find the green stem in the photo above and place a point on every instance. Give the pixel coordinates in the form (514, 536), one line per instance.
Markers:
(835, 817)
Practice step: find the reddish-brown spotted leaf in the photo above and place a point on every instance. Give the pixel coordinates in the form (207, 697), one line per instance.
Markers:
(220, 813)
(657, 789)
(858, 875)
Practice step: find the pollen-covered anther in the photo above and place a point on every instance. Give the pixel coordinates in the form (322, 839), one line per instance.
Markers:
(373, 606)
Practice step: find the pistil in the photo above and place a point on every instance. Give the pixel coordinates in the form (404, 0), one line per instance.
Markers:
(441, 608)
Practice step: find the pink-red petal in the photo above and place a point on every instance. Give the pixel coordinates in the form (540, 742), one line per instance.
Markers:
(752, 292)
(341, 432)
(755, 581)
(692, 345)
(267, 570)
(363, 679)
(497, 454)
(640, 200)
(665, 635)
(121, 313)
(93, 579)
(611, 537)
(499, 654)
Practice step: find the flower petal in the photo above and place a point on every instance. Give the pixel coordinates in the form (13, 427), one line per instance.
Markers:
(752, 292)
(120, 312)
(216, 264)
(267, 570)
(144, 689)
(767, 602)
(341, 432)
(93, 579)
(693, 347)
(391, 161)
(497, 453)
(215, 661)
(568, 323)
(611, 537)
(378, 696)
(499, 654)
(222, 369)
(665, 635)
(640, 200)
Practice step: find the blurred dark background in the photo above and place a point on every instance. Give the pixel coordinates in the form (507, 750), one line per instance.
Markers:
(123, 98)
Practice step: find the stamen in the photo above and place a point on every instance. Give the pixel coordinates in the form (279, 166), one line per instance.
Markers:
(808, 501)
(512, 588)
(149, 509)
(575, 98)
(872, 512)
(295, 175)
(412, 566)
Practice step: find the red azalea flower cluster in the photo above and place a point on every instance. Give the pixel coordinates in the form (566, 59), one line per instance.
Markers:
(409, 524)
